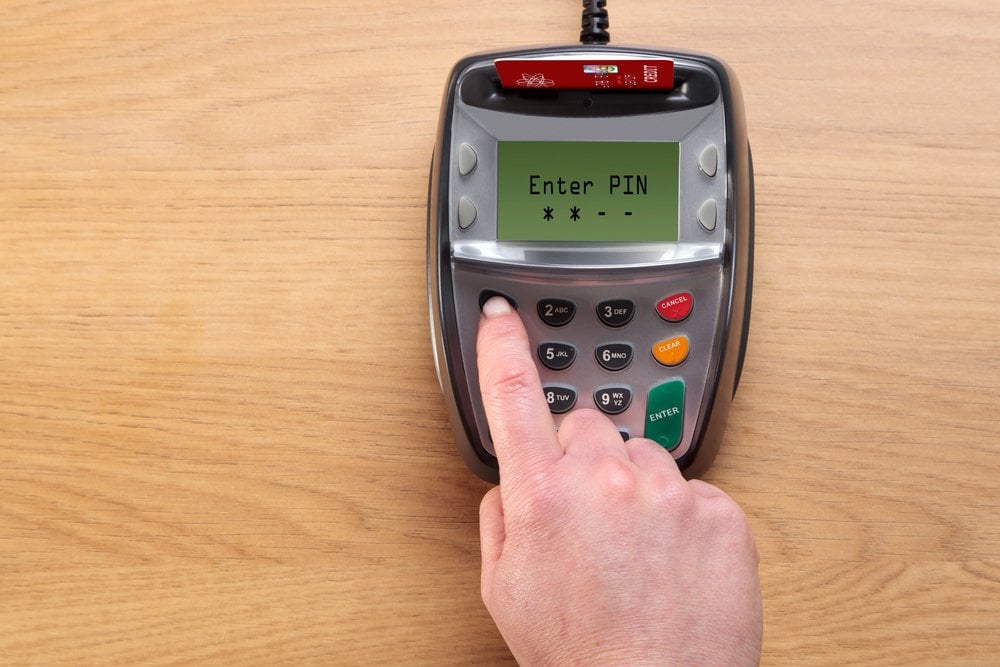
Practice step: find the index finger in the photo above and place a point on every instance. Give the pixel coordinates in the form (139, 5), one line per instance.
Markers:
(521, 426)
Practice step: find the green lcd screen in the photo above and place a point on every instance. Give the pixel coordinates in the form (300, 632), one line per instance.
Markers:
(587, 191)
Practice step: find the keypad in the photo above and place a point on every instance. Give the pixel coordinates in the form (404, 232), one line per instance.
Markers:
(663, 413)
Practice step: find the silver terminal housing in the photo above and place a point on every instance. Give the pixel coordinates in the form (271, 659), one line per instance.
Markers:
(711, 260)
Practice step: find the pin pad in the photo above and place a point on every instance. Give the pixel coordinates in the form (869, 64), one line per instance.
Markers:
(620, 225)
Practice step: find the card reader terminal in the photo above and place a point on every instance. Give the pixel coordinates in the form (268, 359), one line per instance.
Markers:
(618, 221)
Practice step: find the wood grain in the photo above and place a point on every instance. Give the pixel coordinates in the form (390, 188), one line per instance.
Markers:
(221, 436)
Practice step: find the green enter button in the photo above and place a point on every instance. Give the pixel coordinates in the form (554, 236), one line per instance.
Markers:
(665, 414)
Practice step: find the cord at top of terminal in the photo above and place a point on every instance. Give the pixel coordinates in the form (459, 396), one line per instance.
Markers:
(595, 22)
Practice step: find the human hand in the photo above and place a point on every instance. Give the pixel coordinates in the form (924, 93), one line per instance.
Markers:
(598, 551)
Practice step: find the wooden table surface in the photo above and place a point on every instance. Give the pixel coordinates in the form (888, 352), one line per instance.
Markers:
(221, 436)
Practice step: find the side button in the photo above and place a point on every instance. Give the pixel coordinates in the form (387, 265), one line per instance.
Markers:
(708, 161)
(708, 214)
(467, 213)
(467, 159)
(665, 414)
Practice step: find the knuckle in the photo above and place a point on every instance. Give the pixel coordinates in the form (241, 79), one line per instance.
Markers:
(735, 516)
(616, 478)
(731, 521)
(730, 516)
(675, 494)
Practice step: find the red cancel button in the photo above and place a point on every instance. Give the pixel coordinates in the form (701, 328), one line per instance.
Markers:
(676, 307)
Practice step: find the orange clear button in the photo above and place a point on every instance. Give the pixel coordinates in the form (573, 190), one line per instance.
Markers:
(671, 351)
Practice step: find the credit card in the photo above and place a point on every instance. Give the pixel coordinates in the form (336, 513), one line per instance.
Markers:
(582, 72)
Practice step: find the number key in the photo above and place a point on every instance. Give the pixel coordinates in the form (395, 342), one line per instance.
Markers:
(614, 356)
(556, 312)
(616, 312)
(560, 399)
(613, 400)
(556, 356)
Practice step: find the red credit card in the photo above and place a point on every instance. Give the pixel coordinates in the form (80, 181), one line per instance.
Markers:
(582, 72)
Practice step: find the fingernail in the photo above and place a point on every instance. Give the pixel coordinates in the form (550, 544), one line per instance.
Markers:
(496, 307)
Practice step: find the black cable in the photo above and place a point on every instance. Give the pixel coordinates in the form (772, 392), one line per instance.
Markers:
(595, 22)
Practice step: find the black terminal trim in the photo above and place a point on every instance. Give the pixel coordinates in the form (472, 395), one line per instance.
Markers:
(746, 313)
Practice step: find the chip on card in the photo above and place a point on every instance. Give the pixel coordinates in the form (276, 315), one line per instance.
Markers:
(582, 72)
